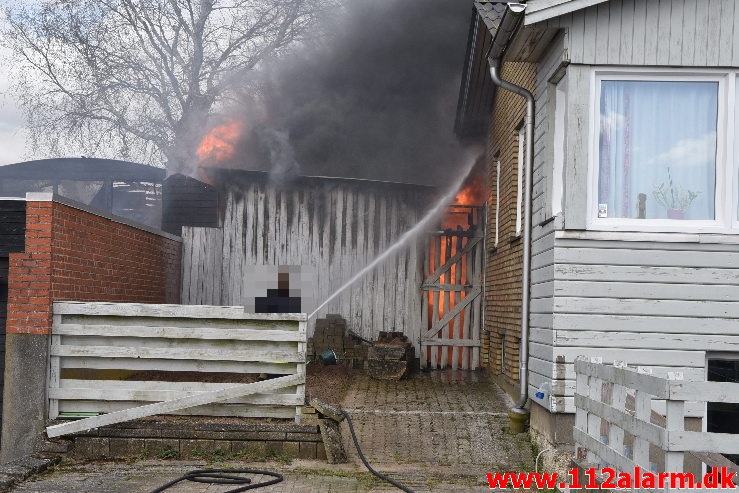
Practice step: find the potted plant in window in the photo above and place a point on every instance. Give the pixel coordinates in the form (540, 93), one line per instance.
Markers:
(675, 199)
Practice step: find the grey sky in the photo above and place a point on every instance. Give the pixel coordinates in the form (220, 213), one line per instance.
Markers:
(12, 131)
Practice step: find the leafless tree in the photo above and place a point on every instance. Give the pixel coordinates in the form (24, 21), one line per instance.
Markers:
(139, 79)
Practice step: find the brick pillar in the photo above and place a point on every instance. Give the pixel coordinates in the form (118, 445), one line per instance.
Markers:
(29, 275)
(28, 333)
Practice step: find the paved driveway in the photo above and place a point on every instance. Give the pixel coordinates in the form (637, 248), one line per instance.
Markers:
(437, 431)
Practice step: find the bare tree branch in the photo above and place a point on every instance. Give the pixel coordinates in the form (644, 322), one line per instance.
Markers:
(140, 79)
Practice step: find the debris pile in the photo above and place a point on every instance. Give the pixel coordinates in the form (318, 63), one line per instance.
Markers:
(391, 357)
(331, 335)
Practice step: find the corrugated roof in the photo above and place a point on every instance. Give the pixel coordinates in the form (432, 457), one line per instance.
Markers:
(81, 169)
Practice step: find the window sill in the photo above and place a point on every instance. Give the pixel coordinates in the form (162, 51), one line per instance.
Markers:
(515, 238)
(659, 237)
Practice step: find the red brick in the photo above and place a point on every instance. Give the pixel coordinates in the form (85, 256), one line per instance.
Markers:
(74, 255)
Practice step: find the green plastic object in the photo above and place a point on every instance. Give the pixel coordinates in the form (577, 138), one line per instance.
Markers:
(328, 357)
(77, 415)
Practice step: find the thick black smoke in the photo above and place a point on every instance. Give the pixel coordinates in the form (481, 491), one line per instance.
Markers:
(377, 99)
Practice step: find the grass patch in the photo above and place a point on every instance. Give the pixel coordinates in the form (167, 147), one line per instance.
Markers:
(168, 454)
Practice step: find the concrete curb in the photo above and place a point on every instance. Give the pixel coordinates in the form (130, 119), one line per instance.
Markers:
(21, 469)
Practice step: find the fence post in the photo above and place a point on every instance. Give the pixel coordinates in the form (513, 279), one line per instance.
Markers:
(594, 421)
(643, 404)
(616, 433)
(300, 390)
(581, 416)
(675, 422)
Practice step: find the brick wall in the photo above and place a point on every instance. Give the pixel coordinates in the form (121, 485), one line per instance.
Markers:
(502, 335)
(75, 255)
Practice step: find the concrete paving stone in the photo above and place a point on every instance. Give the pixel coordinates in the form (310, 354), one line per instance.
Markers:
(154, 446)
(262, 435)
(127, 447)
(130, 433)
(257, 449)
(274, 448)
(291, 449)
(307, 450)
(304, 437)
(85, 447)
(190, 448)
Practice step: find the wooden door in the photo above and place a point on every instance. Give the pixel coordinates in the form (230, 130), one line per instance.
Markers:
(452, 294)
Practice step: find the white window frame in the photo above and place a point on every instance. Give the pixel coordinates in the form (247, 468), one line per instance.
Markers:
(559, 151)
(521, 164)
(497, 201)
(725, 220)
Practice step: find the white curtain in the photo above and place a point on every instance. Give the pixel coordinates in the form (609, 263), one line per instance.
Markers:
(654, 134)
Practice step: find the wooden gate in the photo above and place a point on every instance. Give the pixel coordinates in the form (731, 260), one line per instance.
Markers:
(452, 292)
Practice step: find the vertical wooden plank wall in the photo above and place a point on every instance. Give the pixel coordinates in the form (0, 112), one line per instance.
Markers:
(703, 33)
(335, 226)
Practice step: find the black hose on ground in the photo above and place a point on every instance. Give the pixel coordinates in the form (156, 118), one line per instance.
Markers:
(364, 460)
(225, 476)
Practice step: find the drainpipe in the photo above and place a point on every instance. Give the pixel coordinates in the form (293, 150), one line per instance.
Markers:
(507, 29)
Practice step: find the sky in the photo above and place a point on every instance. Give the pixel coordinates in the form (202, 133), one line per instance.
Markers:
(378, 101)
(12, 132)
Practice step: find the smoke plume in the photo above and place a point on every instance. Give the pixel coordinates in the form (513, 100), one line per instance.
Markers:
(376, 99)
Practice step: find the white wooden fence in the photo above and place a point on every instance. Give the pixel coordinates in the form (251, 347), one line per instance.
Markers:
(111, 358)
(616, 427)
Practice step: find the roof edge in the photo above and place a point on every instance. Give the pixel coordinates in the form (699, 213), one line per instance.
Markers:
(541, 10)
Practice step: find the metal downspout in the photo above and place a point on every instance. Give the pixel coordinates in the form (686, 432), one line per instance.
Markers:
(525, 281)
(507, 28)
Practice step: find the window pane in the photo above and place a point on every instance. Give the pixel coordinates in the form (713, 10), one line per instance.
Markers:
(657, 150)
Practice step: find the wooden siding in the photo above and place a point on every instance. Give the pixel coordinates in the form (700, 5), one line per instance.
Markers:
(12, 239)
(663, 300)
(700, 33)
(335, 226)
(543, 153)
(538, 10)
(12, 226)
(544, 225)
(662, 305)
(188, 202)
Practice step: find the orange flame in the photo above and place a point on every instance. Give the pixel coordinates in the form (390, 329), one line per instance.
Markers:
(471, 193)
(219, 144)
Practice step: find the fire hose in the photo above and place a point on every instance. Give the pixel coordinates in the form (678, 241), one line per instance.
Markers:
(364, 460)
(338, 414)
(228, 476)
(225, 476)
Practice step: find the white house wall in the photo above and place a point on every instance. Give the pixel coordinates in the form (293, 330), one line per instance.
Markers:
(661, 305)
(542, 274)
(657, 300)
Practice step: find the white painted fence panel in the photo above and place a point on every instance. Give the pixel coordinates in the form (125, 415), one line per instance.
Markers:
(111, 358)
(616, 425)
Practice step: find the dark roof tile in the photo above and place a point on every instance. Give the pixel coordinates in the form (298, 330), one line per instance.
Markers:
(491, 13)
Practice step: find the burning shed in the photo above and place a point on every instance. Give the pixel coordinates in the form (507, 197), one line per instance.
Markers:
(430, 290)
(334, 225)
